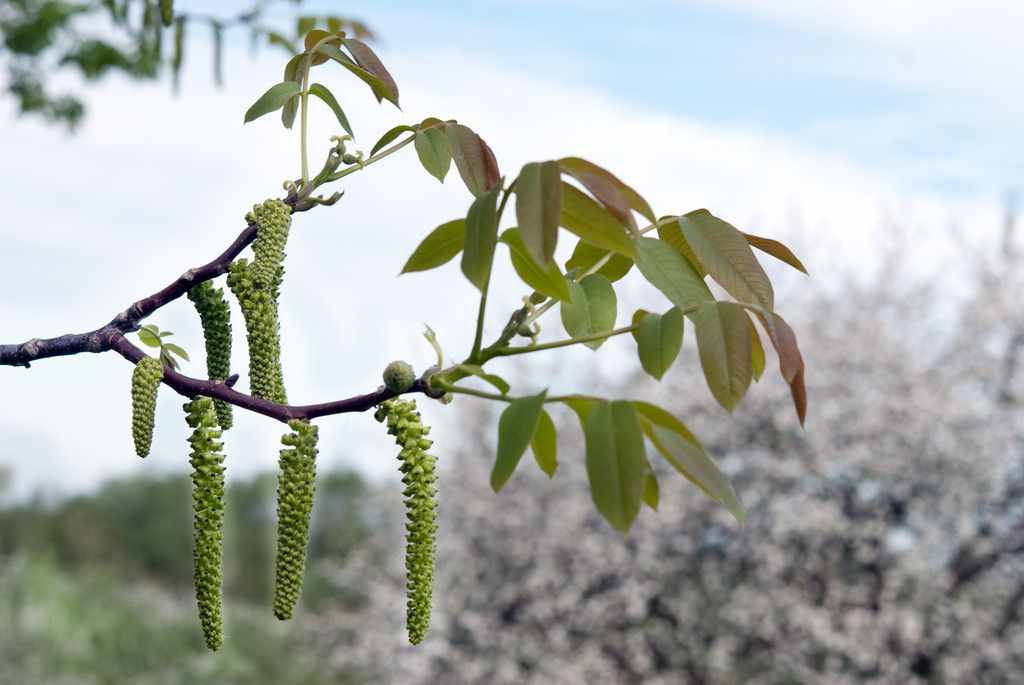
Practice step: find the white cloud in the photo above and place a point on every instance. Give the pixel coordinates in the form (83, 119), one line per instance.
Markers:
(153, 185)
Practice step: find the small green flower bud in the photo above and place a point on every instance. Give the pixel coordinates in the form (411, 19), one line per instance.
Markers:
(399, 376)
(525, 330)
(537, 297)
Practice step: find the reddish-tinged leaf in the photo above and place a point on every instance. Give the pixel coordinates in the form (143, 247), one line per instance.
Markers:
(617, 197)
(474, 159)
(538, 205)
(368, 60)
(315, 36)
(791, 362)
(593, 223)
(672, 234)
(776, 249)
(724, 252)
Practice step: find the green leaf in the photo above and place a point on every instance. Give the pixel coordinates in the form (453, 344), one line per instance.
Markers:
(481, 238)
(667, 271)
(538, 205)
(176, 349)
(724, 252)
(438, 248)
(494, 379)
(291, 74)
(592, 222)
(167, 360)
(515, 430)
(672, 234)
(723, 339)
(473, 158)
(687, 456)
(545, 444)
(313, 37)
(166, 334)
(617, 197)
(389, 136)
(321, 92)
(433, 149)
(272, 100)
(548, 281)
(652, 493)
(148, 337)
(775, 249)
(368, 61)
(592, 310)
(757, 357)
(616, 462)
(658, 341)
(583, 405)
(586, 255)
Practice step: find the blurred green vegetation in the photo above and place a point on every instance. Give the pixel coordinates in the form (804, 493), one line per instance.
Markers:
(97, 588)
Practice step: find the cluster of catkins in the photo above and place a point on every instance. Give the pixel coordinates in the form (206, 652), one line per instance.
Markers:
(419, 477)
(257, 285)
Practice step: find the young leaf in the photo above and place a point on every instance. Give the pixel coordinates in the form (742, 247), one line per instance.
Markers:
(272, 100)
(148, 337)
(586, 255)
(547, 281)
(617, 197)
(757, 357)
(389, 136)
(379, 87)
(652, 493)
(672, 234)
(321, 92)
(497, 381)
(775, 249)
(723, 339)
(473, 158)
(592, 222)
(176, 349)
(515, 430)
(658, 341)
(616, 462)
(481, 238)
(433, 149)
(438, 248)
(313, 37)
(368, 60)
(291, 74)
(545, 444)
(724, 252)
(592, 309)
(791, 362)
(667, 271)
(538, 204)
(689, 458)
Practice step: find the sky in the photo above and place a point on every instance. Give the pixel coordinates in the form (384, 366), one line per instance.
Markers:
(829, 125)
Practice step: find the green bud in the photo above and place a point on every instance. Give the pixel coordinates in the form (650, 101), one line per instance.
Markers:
(399, 376)
(146, 378)
(419, 478)
(537, 297)
(295, 488)
(207, 460)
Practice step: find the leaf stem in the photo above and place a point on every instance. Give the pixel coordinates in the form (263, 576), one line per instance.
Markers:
(509, 351)
(371, 160)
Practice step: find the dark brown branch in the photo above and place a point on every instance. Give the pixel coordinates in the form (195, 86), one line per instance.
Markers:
(220, 390)
(111, 337)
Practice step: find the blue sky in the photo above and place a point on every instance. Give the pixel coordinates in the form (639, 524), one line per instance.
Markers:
(828, 125)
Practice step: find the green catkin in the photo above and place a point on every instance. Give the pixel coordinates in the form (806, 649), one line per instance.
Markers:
(207, 460)
(295, 487)
(145, 382)
(257, 285)
(167, 12)
(262, 333)
(215, 316)
(420, 480)
(273, 219)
